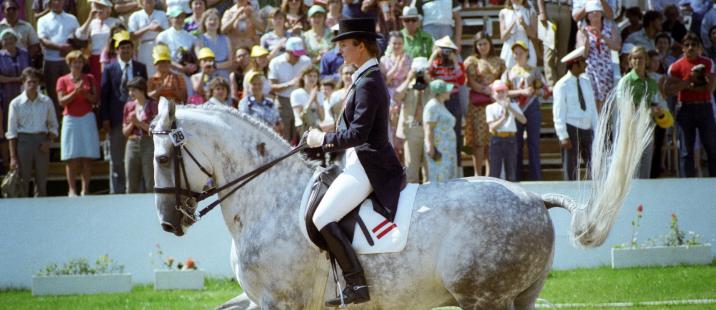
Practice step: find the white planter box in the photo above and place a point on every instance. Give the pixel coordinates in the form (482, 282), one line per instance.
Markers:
(661, 256)
(81, 284)
(178, 279)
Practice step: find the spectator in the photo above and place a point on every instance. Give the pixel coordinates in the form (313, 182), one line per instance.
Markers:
(318, 37)
(442, 18)
(219, 44)
(395, 64)
(200, 80)
(295, 12)
(165, 83)
(331, 61)
(240, 24)
(12, 60)
(711, 51)
(579, 11)
(335, 12)
(634, 16)
(307, 101)
(656, 72)
(284, 74)
(518, 23)
(708, 22)
(574, 112)
(338, 97)
(275, 40)
(32, 125)
(97, 29)
(139, 155)
(440, 138)
(651, 27)
(483, 68)
(145, 25)
(601, 39)
(525, 84)
(665, 50)
(180, 43)
(418, 43)
(501, 116)
(328, 86)
(79, 143)
(109, 52)
(694, 86)
(444, 65)
(259, 106)
(115, 94)
(55, 30)
(645, 92)
(259, 62)
(28, 39)
(410, 135)
(672, 24)
(237, 77)
(191, 23)
(219, 92)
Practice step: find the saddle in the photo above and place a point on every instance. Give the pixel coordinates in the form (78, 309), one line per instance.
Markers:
(347, 223)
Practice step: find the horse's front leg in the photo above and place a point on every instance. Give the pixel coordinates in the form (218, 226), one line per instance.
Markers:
(241, 302)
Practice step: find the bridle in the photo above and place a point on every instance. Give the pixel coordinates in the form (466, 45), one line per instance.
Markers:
(193, 198)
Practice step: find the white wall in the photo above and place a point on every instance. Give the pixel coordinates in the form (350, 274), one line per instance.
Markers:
(39, 231)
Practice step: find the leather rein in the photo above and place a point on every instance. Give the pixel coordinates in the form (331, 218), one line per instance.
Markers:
(184, 205)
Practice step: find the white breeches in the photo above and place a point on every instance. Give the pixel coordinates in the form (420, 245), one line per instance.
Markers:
(345, 194)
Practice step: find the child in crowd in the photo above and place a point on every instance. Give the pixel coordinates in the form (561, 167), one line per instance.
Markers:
(501, 116)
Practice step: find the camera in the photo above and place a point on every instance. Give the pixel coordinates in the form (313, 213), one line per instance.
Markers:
(420, 83)
(697, 75)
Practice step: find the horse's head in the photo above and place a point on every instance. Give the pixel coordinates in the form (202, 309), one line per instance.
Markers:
(178, 178)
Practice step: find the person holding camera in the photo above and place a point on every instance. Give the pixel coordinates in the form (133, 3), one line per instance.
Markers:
(200, 80)
(97, 29)
(414, 94)
(440, 137)
(181, 45)
(444, 65)
(501, 116)
(694, 87)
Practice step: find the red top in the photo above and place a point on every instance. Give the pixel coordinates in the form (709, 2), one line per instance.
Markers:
(452, 74)
(80, 105)
(146, 115)
(682, 69)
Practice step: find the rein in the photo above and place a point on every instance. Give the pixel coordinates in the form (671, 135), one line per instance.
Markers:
(184, 206)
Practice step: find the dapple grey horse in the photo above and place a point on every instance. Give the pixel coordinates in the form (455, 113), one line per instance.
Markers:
(477, 243)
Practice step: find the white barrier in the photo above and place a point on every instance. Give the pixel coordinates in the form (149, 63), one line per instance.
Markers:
(38, 231)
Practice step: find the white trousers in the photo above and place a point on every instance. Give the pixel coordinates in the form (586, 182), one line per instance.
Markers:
(348, 190)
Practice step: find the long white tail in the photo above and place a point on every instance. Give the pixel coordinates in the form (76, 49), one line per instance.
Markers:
(624, 131)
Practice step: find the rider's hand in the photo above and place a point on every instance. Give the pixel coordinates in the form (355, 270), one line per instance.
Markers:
(315, 138)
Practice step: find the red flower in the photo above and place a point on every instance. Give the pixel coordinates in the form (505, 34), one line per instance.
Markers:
(640, 209)
(190, 264)
(673, 216)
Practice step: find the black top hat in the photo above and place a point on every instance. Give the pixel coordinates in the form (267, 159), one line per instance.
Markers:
(356, 28)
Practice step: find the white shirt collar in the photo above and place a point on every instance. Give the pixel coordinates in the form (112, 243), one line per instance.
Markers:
(122, 63)
(371, 62)
(26, 99)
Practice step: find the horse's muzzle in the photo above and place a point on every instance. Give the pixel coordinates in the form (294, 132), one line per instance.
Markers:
(168, 227)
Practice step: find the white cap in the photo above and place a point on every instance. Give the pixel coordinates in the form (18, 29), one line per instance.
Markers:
(445, 42)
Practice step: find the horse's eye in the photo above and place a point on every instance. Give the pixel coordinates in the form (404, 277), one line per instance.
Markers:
(163, 159)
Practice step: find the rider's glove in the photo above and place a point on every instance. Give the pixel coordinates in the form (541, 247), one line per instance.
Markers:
(315, 138)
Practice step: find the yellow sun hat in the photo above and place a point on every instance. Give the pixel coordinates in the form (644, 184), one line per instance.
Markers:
(258, 51)
(206, 52)
(122, 36)
(161, 53)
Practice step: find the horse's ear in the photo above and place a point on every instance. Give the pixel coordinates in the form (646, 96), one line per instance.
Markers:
(167, 108)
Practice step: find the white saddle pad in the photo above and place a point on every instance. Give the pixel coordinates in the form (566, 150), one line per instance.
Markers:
(388, 237)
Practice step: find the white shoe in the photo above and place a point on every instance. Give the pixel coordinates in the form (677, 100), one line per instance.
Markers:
(71, 194)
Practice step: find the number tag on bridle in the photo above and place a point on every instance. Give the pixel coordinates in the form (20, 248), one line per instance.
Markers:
(177, 136)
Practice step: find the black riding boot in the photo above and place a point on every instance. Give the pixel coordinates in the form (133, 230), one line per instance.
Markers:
(356, 290)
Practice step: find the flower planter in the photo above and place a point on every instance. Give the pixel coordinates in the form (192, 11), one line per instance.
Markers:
(661, 256)
(178, 279)
(81, 284)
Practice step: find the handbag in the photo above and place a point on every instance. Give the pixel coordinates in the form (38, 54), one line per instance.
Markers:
(11, 185)
(479, 99)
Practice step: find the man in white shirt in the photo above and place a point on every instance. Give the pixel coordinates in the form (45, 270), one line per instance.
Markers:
(55, 30)
(28, 37)
(145, 25)
(501, 116)
(178, 39)
(32, 125)
(284, 72)
(574, 113)
(442, 18)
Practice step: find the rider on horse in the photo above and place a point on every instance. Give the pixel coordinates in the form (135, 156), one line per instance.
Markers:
(371, 163)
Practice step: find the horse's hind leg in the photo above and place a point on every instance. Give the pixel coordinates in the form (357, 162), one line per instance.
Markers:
(527, 299)
(241, 302)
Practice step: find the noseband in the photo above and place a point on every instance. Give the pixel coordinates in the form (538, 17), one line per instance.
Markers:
(193, 198)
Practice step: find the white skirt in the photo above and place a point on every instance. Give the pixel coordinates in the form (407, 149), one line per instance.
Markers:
(80, 138)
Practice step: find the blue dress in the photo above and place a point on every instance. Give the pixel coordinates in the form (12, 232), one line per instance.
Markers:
(221, 52)
(445, 142)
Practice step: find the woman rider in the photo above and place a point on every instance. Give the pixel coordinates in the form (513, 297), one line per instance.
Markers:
(371, 163)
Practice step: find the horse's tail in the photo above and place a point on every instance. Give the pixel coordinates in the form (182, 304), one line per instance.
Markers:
(624, 130)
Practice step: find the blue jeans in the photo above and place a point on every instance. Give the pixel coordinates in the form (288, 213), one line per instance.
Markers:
(453, 105)
(692, 117)
(534, 121)
(502, 151)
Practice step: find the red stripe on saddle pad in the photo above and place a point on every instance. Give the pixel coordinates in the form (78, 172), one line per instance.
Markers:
(377, 228)
(387, 230)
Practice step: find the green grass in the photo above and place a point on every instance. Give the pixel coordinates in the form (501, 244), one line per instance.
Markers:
(593, 286)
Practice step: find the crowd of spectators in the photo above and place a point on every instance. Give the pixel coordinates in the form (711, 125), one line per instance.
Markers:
(74, 80)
